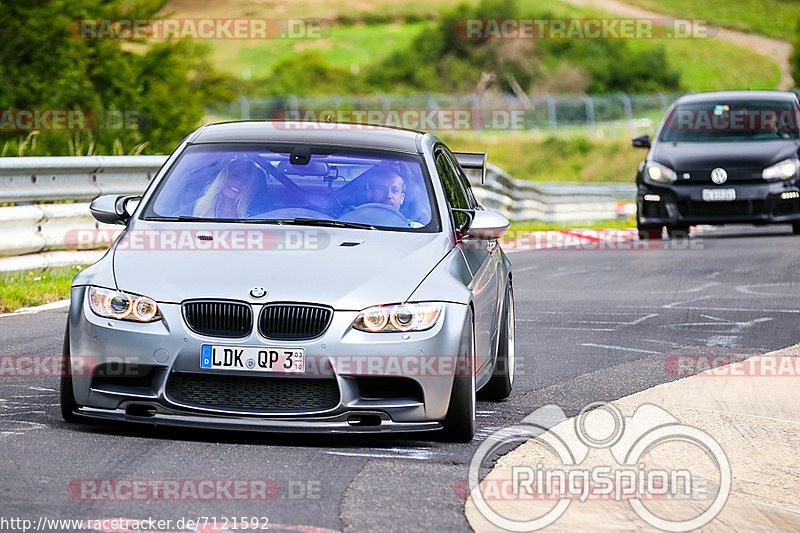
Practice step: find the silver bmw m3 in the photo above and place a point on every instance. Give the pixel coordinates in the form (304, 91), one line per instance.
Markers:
(296, 277)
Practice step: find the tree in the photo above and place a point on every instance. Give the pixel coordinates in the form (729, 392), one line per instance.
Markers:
(137, 93)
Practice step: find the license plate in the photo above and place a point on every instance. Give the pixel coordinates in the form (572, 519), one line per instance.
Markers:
(719, 195)
(253, 358)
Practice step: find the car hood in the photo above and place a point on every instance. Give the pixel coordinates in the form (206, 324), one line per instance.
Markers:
(729, 155)
(373, 267)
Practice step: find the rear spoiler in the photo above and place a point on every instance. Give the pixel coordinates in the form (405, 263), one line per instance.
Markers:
(472, 161)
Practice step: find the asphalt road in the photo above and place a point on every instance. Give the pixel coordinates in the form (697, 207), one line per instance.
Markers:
(592, 325)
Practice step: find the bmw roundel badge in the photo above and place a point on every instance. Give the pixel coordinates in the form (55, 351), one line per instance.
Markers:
(258, 292)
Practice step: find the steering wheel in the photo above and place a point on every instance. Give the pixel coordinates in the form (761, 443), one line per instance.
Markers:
(293, 212)
(384, 209)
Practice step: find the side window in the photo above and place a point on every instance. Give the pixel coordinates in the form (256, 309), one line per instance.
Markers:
(453, 191)
(462, 178)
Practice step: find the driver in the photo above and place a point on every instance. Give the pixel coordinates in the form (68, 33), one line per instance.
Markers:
(387, 188)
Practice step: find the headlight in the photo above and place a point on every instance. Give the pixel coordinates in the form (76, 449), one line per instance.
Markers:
(661, 173)
(400, 317)
(122, 306)
(781, 171)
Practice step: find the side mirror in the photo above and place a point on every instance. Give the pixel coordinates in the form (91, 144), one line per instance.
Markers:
(487, 225)
(642, 141)
(111, 208)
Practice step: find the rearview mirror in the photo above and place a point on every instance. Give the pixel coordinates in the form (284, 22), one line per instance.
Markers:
(111, 208)
(487, 225)
(642, 141)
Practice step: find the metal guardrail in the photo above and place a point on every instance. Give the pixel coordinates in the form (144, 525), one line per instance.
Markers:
(40, 228)
(43, 179)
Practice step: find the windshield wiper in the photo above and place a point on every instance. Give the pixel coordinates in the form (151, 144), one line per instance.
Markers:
(301, 221)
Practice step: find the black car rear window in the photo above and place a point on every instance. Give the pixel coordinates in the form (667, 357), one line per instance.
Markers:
(737, 120)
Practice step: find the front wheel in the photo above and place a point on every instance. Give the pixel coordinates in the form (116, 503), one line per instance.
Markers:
(677, 232)
(649, 233)
(67, 393)
(500, 384)
(459, 423)
(796, 228)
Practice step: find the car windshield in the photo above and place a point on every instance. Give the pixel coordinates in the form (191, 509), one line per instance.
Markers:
(724, 121)
(296, 185)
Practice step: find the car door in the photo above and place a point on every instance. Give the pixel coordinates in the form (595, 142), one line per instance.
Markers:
(479, 255)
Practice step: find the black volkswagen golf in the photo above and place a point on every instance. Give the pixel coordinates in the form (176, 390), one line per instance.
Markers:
(721, 158)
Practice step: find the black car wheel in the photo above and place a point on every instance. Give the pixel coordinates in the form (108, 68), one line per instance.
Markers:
(649, 233)
(796, 228)
(67, 394)
(459, 423)
(677, 232)
(502, 380)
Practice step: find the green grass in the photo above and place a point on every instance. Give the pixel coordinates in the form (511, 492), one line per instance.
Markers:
(342, 46)
(704, 64)
(556, 159)
(773, 18)
(35, 287)
(713, 65)
(536, 225)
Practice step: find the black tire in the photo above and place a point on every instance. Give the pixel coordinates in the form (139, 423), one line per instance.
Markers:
(796, 228)
(459, 423)
(67, 394)
(649, 233)
(502, 381)
(678, 232)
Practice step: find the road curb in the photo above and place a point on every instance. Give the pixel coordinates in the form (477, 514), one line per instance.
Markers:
(753, 417)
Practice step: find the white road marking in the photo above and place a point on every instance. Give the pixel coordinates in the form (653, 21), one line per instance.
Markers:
(746, 289)
(673, 304)
(38, 309)
(722, 340)
(623, 348)
(735, 327)
(386, 453)
(619, 324)
(699, 288)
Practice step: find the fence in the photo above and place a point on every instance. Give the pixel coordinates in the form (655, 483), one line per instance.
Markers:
(35, 234)
(595, 116)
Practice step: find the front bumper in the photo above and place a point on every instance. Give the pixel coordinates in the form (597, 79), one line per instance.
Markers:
(683, 205)
(426, 360)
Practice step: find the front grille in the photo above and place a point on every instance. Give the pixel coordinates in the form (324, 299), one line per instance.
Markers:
(218, 318)
(786, 207)
(252, 393)
(740, 208)
(703, 177)
(294, 321)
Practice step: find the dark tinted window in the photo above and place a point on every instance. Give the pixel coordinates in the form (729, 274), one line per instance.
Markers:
(738, 120)
(262, 184)
(454, 193)
(462, 179)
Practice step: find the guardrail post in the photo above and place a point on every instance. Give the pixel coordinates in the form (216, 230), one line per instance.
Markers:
(551, 112)
(628, 110)
(244, 105)
(589, 114)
